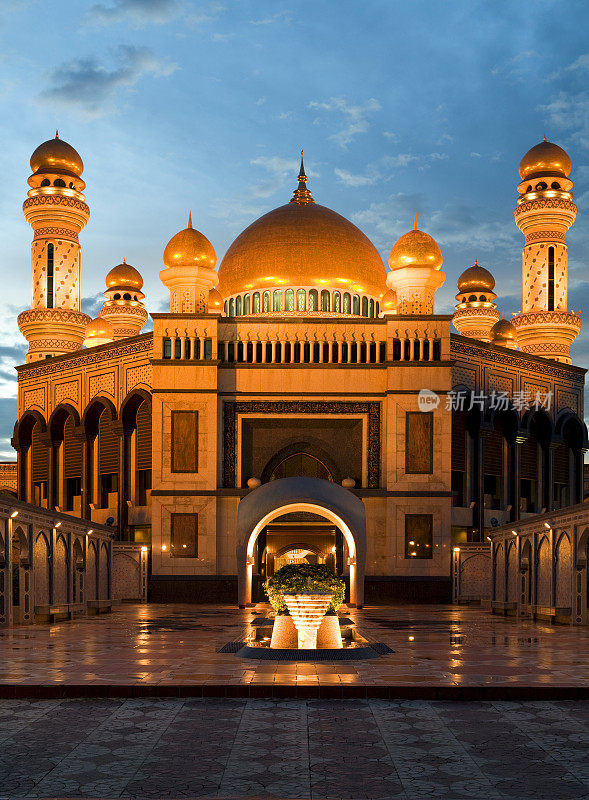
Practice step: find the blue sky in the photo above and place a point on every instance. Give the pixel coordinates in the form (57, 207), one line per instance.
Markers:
(173, 105)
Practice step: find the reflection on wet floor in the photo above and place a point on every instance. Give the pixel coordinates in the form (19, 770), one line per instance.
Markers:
(177, 644)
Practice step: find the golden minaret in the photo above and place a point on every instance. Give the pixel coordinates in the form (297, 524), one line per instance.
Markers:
(476, 311)
(545, 211)
(56, 211)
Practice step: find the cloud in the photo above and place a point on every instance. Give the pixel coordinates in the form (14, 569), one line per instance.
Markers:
(137, 12)
(570, 112)
(278, 171)
(392, 137)
(388, 220)
(8, 416)
(88, 85)
(349, 179)
(475, 155)
(280, 16)
(222, 37)
(517, 67)
(91, 305)
(354, 116)
(207, 14)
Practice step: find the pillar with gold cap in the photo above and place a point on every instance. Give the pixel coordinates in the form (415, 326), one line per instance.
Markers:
(415, 262)
(123, 307)
(189, 273)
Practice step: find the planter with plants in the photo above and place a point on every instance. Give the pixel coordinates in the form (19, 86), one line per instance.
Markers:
(300, 579)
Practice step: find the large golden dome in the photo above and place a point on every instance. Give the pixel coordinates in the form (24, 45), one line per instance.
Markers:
(55, 155)
(124, 276)
(476, 278)
(190, 248)
(416, 249)
(302, 244)
(545, 158)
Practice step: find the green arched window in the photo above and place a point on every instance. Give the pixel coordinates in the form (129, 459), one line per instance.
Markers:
(313, 300)
(301, 300)
(364, 306)
(232, 307)
(325, 304)
(238, 306)
(247, 303)
(256, 302)
(266, 302)
(347, 304)
(337, 302)
(289, 300)
(356, 305)
(277, 300)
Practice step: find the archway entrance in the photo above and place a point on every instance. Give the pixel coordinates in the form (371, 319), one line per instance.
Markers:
(301, 518)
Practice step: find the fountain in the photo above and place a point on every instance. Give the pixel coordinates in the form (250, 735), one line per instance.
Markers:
(307, 610)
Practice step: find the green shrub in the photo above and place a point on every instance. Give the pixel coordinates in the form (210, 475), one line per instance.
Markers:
(295, 578)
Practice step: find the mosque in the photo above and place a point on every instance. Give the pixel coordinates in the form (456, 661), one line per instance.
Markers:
(301, 402)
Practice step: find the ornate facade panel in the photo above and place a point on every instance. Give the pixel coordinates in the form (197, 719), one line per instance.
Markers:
(137, 376)
(35, 398)
(467, 376)
(104, 383)
(498, 383)
(566, 399)
(67, 391)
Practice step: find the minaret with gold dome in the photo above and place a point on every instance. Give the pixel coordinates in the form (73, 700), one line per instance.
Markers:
(544, 213)
(476, 311)
(57, 211)
(416, 263)
(189, 274)
(122, 307)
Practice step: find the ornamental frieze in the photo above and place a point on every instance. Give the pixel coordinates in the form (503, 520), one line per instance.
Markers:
(536, 205)
(513, 361)
(544, 317)
(540, 236)
(55, 200)
(65, 233)
(85, 358)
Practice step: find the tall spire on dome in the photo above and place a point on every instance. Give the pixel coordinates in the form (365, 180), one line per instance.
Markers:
(415, 225)
(190, 219)
(301, 194)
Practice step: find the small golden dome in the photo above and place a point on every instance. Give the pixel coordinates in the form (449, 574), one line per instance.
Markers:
(503, 331)
(302, 244)
(215, 302)
(55, 155)
(545, 158)
(389, 301)
(189, 248)
(99, 328)
(476, 278)
(124, 276)
(416, 249)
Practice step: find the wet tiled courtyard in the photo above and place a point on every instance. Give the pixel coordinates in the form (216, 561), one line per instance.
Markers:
(177, 646)
(173, 748)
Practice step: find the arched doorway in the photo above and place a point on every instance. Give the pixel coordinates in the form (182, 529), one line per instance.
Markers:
(286, 496)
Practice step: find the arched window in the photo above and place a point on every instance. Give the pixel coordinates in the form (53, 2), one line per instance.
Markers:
(59, 182)
(325, 300)
(256, 303)
(266, 302)
(301, 465)
(301, 300)
(71, 185)
(337, 302)
(225, 307)
(277, 300)
(289, 300)
(377, 308)
(126, 296)
(364, 306)
(555, 185)
(356, 305)
(232, 307)
(313, 300)
(347, 304)
(529, 188)
(45, 182)
(483, 299)
(551, 279)
(372, 308)
(50, 253)
(541, 186)
(472, 298)
(238, 306)
(247, 303)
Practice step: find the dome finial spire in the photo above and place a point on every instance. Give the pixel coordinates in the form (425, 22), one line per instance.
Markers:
(545, 138)
(56, 134)
(415, 225)
(301, 194)
(190, 219)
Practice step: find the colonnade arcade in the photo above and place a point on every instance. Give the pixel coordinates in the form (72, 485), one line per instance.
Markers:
(507, 465)
(95, 467)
